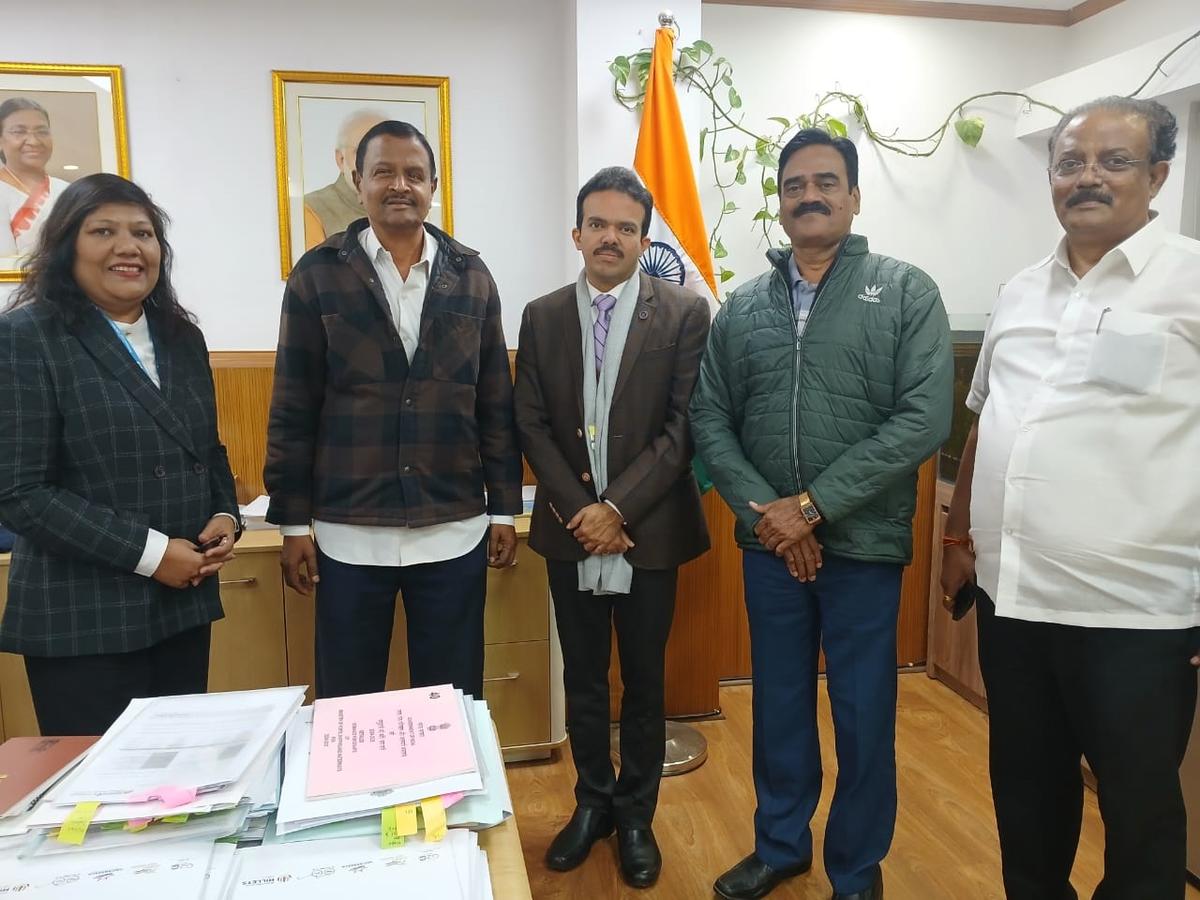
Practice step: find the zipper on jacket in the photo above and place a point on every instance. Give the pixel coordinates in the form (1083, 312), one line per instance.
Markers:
(797, 356)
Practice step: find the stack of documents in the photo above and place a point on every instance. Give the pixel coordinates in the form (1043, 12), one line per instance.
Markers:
(29, 767)
(452, 869)
(476, 798)
(169, 769)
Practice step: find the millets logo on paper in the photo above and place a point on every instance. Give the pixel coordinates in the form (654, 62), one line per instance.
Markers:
(871, 293)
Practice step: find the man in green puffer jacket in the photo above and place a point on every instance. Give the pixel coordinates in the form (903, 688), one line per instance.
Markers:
(826, 382)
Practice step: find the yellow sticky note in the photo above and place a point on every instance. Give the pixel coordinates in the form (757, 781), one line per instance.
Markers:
(176, 820)
(434, 815)
(74, 827)
(406, 818)
(388, 835)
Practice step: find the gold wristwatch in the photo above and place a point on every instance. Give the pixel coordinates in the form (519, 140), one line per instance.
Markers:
(809, 510)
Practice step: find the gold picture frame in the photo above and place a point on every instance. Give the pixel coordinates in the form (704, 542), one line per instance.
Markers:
(87, 132)
(317, 111)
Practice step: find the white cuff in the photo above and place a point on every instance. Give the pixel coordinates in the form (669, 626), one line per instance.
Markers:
(294, 530)
(503, 520)
(152, 555)
(618, 512)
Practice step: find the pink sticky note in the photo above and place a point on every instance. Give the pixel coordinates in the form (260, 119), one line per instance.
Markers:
(448, 800)
(170, 795)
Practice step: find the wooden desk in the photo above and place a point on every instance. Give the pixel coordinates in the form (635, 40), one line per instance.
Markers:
(506, 862)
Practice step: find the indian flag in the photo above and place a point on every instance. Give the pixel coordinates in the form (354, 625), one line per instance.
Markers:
(679, 248)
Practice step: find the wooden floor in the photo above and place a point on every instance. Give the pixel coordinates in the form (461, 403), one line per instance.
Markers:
(945, 846)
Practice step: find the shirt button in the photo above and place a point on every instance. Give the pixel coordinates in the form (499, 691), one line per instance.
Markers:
(408, 468)
(1027, 428)
(408, 401)
(1008, 531)
(198, 468)
(586, 477)
(578, 432)
(160, 471)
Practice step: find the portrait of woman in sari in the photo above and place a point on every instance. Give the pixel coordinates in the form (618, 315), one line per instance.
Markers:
(27, 191)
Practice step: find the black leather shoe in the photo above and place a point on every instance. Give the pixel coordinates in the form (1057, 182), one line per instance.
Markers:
(571, 846)
(752, 878)
(874, 892)
(640, 859)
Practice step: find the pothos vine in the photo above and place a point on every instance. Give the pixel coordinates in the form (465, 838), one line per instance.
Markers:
(698, 67)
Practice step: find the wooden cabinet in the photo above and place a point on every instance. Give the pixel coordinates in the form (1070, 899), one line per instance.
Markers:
(953, 656)
(266, 640)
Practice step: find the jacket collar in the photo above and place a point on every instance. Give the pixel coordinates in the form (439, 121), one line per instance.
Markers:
(97, 335)
(852, 245)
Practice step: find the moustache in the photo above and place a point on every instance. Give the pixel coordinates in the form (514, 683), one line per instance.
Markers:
(607, 248)
(1088, 195)
(816, 206)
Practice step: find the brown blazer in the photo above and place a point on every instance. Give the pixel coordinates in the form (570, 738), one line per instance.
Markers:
(649, 444)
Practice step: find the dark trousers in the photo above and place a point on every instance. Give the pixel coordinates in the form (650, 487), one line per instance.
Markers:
(1123, 698)
(443, 604)
(642, 619)
(85, 694)
(850, 610)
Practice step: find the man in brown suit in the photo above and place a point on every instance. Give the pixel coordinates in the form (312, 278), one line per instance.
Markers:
(605, 370)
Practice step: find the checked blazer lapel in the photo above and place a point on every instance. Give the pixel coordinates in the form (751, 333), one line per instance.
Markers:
(102, 342)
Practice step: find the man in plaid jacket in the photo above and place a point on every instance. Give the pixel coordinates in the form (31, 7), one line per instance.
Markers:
(391, 415)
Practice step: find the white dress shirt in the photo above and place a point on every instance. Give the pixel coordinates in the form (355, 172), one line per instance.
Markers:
(386, 545)
(1085, 504)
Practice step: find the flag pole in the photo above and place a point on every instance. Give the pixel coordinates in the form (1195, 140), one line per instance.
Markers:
(686, 748)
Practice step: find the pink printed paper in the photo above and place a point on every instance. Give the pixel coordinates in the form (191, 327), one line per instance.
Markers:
(391, 739)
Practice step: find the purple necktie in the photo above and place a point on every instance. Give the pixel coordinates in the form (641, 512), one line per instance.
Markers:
(604, 304)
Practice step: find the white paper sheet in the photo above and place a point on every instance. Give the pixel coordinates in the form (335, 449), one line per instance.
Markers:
(202, 741)
(174, 871)
(353, 867)
(221, 870)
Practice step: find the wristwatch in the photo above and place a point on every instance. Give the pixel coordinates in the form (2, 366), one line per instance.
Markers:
(809, 510)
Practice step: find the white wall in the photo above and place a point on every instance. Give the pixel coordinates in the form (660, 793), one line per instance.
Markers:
(1126, 25)
(198, 83)
(969, 217)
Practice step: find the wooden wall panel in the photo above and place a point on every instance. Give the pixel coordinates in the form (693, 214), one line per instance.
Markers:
(243, 384)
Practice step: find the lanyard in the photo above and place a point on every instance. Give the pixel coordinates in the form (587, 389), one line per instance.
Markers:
(128, 346)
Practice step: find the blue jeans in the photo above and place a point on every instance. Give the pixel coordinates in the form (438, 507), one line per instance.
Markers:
(850, 610)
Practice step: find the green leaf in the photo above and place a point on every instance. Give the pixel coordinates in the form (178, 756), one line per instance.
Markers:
(620, 69)
(859, 112)
(782, 120)
(703, 138)
(804, 121)
(725, 274)
(767, 159)
(732, 155)
(740, 176)
(835, 127)
(642, 57)
(727, 80)
(768, 187)
(735, 100)
(763, 215)
(703, 47)
(969, 130)
(692, 53)
(730, 207)
(719, 251)
(719, 61)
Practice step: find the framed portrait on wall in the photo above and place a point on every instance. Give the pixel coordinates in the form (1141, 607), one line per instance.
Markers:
(320, 117)
(57, 123)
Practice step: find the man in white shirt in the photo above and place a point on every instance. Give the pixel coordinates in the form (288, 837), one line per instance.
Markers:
(1075, 508)
(391, 432)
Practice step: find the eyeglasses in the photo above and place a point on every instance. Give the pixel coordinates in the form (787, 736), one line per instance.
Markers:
(20, 132)
(1113, 165)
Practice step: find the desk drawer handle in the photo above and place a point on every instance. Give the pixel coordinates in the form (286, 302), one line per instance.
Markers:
(511, 676)
(246, 581)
